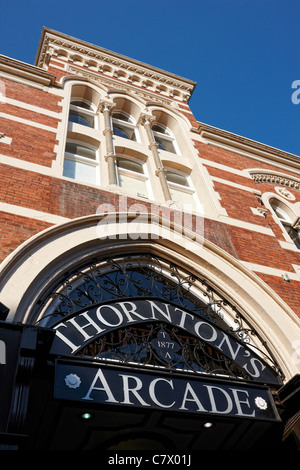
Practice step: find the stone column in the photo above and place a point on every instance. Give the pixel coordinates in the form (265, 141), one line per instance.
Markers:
(106, 108)
(146, 120)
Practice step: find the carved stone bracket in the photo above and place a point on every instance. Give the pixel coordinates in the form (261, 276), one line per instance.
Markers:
(262, 211)
(146, 118)
(106, 105)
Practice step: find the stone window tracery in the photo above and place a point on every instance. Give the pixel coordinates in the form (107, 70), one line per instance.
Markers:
(82, 112)
(122, 142)
(124, 125)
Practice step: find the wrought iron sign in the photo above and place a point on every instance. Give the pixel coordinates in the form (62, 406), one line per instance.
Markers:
(141, 309)
(148, 331)
(100, 384)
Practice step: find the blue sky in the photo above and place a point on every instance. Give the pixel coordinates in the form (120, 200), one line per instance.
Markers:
(243, 54)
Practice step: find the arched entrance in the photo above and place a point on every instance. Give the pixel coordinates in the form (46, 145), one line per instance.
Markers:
(141, 343)
(146, 351)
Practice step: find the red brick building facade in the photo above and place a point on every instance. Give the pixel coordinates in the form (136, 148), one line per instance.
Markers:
(101, 155)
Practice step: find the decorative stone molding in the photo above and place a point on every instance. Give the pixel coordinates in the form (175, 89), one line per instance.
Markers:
(285, 193)
(106, 105)
(127, 87)
(274, 178)
(119, 65)
(146, 118)
(160, 170)
(261, 211)
(35, 75)
(109, 155)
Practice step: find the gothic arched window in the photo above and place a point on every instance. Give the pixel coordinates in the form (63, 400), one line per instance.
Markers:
(283, 215)
(164, 138)
(82, 112)
(124, 125)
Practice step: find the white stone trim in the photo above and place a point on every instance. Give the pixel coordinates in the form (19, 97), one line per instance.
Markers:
(246, 225)
(248, 148)
(233, 185)
(222, 217)
(30, 107)
(258, 268)
(228, 169)
(5, 140)
(24, 80)
(25, 165)
(27, 122)
(32, 213)
(288, 245)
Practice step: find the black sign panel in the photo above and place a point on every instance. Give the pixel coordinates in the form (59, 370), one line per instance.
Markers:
(89, 382)
(74, 332)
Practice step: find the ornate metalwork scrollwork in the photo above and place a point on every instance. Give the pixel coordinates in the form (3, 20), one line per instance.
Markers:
(145, 275)
(129, 276)
(159, 345)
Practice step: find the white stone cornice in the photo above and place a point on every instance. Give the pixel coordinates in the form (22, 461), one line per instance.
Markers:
(247, 147)
(26, 71)
(272, 177)
(126, 86)
(53, 43)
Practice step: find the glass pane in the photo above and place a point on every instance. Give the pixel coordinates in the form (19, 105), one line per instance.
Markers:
(183, 198)
(123, 131)
(177, 178)
(133, 187)
(81, 150)
(79, 171)
(130, 165)
(281, 214)
(164, 144)
(123, 117)
(294, 234)
(82, 104)
(161, 129)
(81, 118)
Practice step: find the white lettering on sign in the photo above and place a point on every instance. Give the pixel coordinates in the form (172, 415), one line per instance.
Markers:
(152, 392)
(163, 393)
(189, 392)
(74, 333)
(105, 388)
(84, 381)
